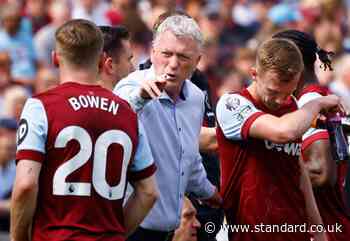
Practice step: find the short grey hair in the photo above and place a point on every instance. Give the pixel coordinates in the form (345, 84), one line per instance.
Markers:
(181, 26)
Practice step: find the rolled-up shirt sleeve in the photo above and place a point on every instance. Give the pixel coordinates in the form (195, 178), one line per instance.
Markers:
(198, 181)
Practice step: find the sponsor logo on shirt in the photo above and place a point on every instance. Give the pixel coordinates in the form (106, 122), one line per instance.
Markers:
(243, 113)
(289, 148)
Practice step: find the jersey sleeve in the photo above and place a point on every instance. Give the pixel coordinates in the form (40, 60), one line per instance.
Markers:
(235, 115)
(313, 134)
(32, 131)
(143, 165)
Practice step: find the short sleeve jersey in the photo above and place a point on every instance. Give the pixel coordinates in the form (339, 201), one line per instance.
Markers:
(90, 144)
(330, 199)
(260, 179)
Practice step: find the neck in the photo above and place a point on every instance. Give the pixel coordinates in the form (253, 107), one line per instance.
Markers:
(173, 90)
(78, 76)
(107, 84)
(252, 91)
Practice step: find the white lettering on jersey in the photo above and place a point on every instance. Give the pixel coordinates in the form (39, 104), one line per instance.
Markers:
(289, 148)
(87, 101)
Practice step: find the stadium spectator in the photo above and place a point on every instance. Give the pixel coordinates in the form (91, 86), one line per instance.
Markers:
(14, 99)
(46, 79)
(316, 149)
(7, 168)
(44, 39)
(80, 127)
(117, 64)
(36, 12)
(17, 39)
(5, 76)
(258, 136)
(92, 10)
(171, 109)
(341, 85)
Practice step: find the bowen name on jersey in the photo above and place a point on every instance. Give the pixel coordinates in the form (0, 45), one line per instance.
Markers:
(90, 101)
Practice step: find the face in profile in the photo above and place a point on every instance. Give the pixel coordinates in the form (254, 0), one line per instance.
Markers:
(175, 56)
(189, 223)
(122, 64)
(272, 89)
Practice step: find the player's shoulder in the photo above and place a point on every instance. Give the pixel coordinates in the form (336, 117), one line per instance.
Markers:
(135, 77)
(314, 88)
(233, 100)
(115, 97)
(312, 92)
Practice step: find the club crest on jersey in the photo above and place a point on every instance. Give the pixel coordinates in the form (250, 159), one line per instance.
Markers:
(232, 103)
(289, 148)
(22, 131)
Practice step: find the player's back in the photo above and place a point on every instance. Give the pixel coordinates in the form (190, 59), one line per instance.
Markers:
(91, 137)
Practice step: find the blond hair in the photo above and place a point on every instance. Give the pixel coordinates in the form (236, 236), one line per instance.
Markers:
(280, 55)
(79, 42)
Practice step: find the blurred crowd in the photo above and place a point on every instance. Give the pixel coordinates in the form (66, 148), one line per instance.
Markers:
(232, 29)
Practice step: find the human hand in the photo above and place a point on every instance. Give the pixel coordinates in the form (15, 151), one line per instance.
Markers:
(215, 201)
(153, 88)
(329, 102)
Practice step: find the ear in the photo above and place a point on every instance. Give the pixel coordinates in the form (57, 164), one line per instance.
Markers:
(101, 62)
(253, 73)
(55, 59)
(198, 59)
(108, 65)
(151, 54)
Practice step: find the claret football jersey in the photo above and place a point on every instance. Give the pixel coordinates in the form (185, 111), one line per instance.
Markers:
(90, 144)
(260, 179)
(330, 199)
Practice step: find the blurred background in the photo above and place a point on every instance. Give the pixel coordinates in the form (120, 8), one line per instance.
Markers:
(232, 30)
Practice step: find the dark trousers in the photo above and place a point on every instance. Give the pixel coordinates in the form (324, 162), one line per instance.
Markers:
(142, 234)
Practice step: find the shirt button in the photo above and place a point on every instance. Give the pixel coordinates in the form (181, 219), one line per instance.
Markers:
(182, 173)
(179, 128)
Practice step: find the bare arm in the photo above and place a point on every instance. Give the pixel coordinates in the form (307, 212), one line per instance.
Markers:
(140, 203)
(292, 125)
(311, 206)
(207, 140)
(24, 199)
(319, 163)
